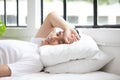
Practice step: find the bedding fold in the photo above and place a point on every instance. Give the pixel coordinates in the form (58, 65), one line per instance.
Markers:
(79, 57)
(81, 65)
(51, 55)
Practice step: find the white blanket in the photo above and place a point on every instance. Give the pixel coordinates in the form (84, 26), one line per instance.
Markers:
(46, 76)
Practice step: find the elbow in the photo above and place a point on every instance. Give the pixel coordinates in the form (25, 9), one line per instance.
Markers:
(51, 15)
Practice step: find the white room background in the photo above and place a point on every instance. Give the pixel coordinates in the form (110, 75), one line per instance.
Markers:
(107, 38)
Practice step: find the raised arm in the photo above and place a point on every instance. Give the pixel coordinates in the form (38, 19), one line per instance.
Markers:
(53, 21)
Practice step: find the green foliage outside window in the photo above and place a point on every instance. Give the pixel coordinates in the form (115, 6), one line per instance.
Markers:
(2, 28)
(100, 2)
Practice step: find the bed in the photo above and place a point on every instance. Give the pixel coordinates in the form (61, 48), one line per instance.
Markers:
(110, 71)
(99, 75)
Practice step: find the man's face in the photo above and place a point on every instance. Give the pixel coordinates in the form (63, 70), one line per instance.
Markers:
(54, 38)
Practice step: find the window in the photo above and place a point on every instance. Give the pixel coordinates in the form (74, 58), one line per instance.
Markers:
(89, 20)
(103, 20)
(2, 17)
(117, 19)
(51, 5)
(13, 12)
(85, 13)
(73, 19)
(11, 20)
(109, 9)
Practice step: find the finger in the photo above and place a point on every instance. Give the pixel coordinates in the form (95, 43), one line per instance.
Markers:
(74, 37)
(70, 40)
(76, 34)
(77, 37)
(66, 40)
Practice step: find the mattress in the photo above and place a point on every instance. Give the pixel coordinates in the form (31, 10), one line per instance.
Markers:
(47, 76)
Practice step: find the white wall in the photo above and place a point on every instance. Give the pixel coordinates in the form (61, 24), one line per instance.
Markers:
(109, 41)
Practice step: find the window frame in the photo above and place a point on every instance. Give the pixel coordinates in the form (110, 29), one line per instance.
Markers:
(33, 23)
(95, 14)
(17, 15)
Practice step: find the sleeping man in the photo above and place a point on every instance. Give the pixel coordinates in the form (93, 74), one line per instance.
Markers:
(26, 59)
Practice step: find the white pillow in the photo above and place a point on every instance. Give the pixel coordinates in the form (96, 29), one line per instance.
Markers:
(55, 54)
(81, 66)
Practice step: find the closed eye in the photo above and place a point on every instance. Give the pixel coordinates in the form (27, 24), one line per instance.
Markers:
(59, 33)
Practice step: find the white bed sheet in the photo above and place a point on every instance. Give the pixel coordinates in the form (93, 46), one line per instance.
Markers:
(46, 76)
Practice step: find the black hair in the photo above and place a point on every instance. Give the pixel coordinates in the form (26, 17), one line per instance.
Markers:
(77, 32)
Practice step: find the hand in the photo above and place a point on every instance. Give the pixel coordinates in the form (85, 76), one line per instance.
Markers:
(70, 35)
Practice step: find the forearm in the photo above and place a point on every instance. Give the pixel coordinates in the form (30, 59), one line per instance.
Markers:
(50, 23)
(4, 71)
(57, 21)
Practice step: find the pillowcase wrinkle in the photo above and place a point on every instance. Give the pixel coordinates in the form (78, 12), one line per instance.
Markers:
(82, 66)
(51, 55)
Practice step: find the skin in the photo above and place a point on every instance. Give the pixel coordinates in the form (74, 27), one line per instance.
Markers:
(47, 31)
(52, 21)
(4, 71)
(57, 38)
